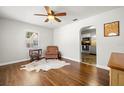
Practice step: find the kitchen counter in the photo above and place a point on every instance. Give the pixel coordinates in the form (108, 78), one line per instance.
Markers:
(117, 61)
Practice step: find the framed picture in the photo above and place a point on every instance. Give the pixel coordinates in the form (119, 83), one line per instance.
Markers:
(31, 40)
(111, 29)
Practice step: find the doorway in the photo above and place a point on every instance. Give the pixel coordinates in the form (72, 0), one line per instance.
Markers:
(88, 45)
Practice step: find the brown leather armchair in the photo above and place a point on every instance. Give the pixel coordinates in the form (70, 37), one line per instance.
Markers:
(52, 52)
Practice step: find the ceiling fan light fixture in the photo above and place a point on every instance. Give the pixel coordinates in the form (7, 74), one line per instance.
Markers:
(50, 17)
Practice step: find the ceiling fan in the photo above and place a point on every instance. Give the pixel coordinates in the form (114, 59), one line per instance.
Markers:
(51, 15)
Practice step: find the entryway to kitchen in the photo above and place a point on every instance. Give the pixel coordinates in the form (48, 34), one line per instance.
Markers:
(88, 45)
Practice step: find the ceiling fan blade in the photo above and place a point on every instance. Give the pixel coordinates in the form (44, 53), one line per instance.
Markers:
(40, 14)
(60, 14)
(48, 10)
(58, 20)
(52, 12)
(46, 20)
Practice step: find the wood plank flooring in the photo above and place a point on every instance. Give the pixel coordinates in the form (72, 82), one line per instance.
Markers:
(89, 58)
(76, 74)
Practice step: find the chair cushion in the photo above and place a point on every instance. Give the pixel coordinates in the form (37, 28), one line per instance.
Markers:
(52, 53)
(52, 48)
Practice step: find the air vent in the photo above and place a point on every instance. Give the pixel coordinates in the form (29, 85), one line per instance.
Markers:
(75, 19)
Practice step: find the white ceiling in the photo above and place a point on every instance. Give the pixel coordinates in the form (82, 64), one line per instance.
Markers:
(26, 13)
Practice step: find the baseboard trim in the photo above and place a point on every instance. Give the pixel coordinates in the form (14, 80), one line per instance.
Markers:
(13, 62)
(70, 59)
(103, 67)
(98, 66)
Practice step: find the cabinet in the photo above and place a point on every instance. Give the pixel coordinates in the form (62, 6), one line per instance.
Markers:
(116, 64)
(116, 77)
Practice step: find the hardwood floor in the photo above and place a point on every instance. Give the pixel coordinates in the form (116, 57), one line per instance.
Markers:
(88, 58)
(76, 74)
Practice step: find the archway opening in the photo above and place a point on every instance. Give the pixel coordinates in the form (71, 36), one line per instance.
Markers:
(88, 51)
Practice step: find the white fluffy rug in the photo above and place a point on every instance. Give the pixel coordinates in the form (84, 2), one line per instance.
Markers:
(44, 65)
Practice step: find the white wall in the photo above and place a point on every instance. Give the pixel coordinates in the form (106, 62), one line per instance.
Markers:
(68, 36)
(13, 39)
